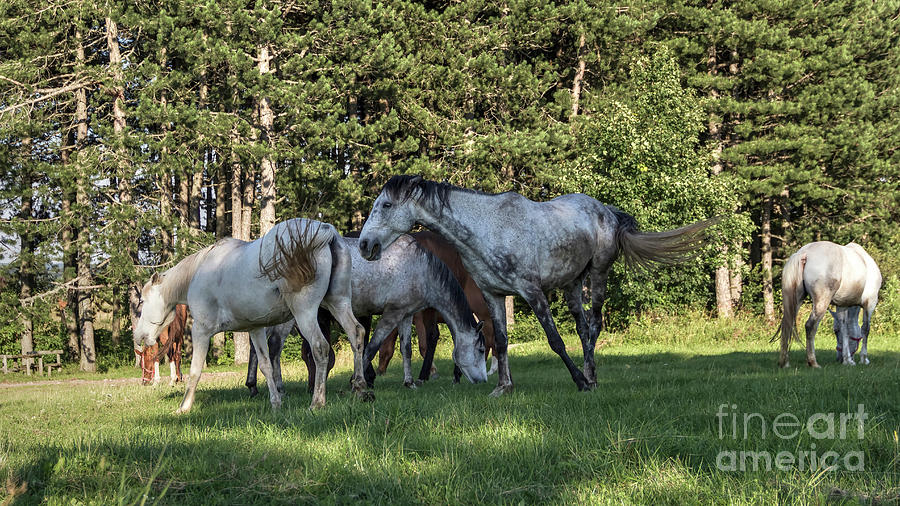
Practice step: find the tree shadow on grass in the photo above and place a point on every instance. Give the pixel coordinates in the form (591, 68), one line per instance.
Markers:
(649, 432)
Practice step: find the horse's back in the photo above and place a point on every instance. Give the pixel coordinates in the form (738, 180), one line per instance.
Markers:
(834, 270)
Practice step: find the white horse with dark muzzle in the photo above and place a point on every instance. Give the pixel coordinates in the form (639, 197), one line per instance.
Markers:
(247, 286)
(845, 276)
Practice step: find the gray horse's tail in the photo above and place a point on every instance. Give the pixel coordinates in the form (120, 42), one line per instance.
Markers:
(643, 249)
(293, 255)
(792, 293)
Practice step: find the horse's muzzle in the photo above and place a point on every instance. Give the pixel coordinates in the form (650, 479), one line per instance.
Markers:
(370, 250)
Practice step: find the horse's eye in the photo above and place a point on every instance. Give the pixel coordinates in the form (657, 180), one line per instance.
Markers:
(386, 205)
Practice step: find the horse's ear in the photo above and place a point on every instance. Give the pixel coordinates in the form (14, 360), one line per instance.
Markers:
(154, 279)
(479, 326)
(417, 180)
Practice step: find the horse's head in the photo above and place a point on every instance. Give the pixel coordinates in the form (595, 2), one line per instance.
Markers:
(156, 314)
(393, 213)
(148, 362)
(468, 353)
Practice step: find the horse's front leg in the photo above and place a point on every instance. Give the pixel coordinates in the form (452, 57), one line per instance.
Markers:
(497, 306)
(260, 342)
(201, 336)
(428, 332)
(405, 331)
(155, 371)
(252, 364)
(387, 323)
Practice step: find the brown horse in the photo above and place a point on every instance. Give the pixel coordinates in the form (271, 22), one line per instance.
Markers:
(427, 320)
(171, 340)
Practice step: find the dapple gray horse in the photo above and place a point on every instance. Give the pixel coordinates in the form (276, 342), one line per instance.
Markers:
(406, 279)
(246, 286)
(512, 245)
(845, 276)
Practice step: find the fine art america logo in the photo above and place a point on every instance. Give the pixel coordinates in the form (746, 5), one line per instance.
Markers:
(787, 426)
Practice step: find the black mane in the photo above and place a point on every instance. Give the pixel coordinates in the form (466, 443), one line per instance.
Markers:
(403, 187)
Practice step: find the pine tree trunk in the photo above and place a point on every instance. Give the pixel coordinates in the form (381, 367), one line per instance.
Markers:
(737, 278)
(766, 239)
(579, 77)
(196, 199)
(510, 311)
(724, 303)
(68, 242)
(241, 209)
(26, 251)
(116, 324)
(125, 190)
(267, 164)
(87, 350)
(167, 247)
(221, 200)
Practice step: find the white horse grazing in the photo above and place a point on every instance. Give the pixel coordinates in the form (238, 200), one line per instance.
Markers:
(247, 286)
(845, 276)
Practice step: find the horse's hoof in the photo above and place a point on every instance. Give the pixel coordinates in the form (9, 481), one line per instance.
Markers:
(276, 406)
(813, 364)
(254, 392)
(365, 395)
(419, 382)
(588, 386)
(501, 389)
(180, 411)
(434, 375)
(410, 385)
(314, 406)
(850, 362)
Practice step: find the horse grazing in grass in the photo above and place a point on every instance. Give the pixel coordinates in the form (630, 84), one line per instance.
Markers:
(427, 320)
(846, 325)
(171, 341)
(247, 286)
(404, 281)
(512, 245)
(845, 276)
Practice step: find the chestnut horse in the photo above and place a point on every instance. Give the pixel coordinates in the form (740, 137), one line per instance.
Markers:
(170, 342)
(426, 321)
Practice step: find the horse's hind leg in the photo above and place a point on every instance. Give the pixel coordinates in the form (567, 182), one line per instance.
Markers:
(576, 308)
(541, 307)
(820, 306)
(258, 338)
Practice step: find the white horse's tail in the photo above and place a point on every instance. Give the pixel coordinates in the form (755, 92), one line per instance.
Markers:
(642, 249)
(293, 254)
(792, 293)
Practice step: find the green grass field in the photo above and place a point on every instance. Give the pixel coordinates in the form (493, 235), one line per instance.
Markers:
(648, 434)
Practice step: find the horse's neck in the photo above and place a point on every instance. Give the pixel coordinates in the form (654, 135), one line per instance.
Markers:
(448, 298)
(458, 221)
(176, 280)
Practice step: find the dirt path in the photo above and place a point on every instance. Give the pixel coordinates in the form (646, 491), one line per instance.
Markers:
(109, 381)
